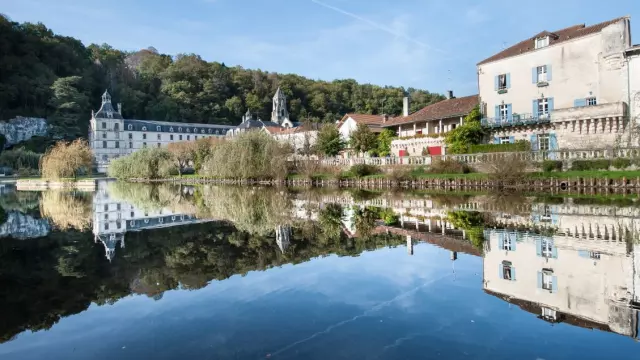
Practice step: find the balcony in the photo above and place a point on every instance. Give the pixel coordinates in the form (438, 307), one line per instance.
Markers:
(516, 120)
(602, 111)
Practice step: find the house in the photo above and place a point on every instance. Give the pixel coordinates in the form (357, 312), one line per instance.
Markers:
(563, 89)
(349, 123)
(301, 138)
(423, 131)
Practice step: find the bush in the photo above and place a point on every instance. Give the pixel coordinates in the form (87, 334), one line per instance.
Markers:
(583, 165)
(520, 145)
(147, 163)
(361, 170)
(67, 159)
(510, 170)
(448, 166)
(399, 173)
(20, 159)
(551, 165)
(620, 163)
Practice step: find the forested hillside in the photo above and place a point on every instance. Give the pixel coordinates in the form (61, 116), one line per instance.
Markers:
(47, 75)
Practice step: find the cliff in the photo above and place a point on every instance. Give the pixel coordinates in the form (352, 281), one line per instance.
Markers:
(22, 128)
(21, 226)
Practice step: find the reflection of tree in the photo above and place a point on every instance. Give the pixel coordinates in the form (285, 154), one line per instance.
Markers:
(330, 221)
(67, 210)
(153, 197)
(472, 222)
(365, 222)
(23, 201)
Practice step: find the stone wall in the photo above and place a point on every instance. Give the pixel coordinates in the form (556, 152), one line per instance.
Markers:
(23, 128)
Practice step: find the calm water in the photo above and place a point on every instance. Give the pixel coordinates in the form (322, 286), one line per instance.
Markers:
(134, 271)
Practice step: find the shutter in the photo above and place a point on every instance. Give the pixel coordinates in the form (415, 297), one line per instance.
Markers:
(534, 75)
(508, 81)
(539, 247)
(535, 109)
(500, 271)
(539, 280)
(554, 250)
(509, 113)
(553, 145)
(554, 284)
(512, 139)
(514, 239)
(580, 102)
(496, 140)
(501, 241)
(549, 73)
(513, 274)
(497, 82)
(584, 254)
(534, 142)
(497, 111)
(550, 101)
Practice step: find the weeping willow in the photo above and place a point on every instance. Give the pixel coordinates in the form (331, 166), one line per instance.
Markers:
(67, 210)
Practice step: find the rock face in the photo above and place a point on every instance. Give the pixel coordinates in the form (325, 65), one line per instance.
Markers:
(21, 226)
(22, 128)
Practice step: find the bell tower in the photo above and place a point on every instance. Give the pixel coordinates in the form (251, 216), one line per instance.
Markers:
(279, 114)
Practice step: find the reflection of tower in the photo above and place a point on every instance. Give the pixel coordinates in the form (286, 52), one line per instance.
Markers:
(409, 245)
(110, 241)
(454, 257)
(283, 237)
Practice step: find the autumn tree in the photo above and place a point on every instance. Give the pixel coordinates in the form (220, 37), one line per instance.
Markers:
(363, 139)
(330, 141)
(67, 159)
(182, 153)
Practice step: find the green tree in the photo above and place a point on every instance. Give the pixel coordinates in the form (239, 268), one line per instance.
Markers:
(384, 142)
(69, 106)
(469, 133)
(329, 141)
(363, 139)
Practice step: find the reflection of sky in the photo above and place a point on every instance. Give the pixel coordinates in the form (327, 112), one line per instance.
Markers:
(380, 305)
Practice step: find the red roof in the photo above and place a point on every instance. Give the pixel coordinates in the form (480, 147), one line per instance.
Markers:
(555, 37)
(365, 119)
(441, 110)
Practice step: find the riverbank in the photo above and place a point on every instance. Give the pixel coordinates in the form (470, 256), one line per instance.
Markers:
(39, 184)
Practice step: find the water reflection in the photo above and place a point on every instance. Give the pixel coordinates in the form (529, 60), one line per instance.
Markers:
(569, 261)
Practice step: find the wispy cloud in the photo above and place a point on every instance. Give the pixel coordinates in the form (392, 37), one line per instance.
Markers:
(377, 25)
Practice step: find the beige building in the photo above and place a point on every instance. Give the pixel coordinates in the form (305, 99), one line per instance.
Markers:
(566, 89)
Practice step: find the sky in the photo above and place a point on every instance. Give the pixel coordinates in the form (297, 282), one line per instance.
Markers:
(427, 44)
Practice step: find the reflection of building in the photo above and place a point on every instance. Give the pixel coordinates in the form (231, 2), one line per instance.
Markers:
(113, 218)
(283, 237)
(583, 281)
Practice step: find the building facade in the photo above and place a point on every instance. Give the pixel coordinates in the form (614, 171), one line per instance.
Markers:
(111, 136)
(567, 89)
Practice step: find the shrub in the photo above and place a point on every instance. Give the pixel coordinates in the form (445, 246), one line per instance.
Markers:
(399, 173)
(509, 170)
(583, 165)
(147, 163)
(20, 159)
(361, 170)
(448, 166)
(620, 163)
(520, 145)
(388, 216)
(551, 165)
(67, 159)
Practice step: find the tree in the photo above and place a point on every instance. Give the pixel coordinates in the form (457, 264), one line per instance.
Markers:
(182, 153)
(70, 106)
(330, 141)
(469, 133)
(67, 159)
(363, 139)
(384, 142)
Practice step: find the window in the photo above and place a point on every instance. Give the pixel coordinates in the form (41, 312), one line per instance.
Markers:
(506, 245)
(547, 281)
(104, 144)
(542, 42)
(106, 207)
(106, 216)
(543, 142)
(117, 144)
(547, 248)
(158, 128)
(508, 272)
(118, 224)
(180, 137)
(130, 145)
(195, 137)
(158, 144)
(542, 73)
(180, 129)
(591, 101)
(104, 135)
(118, 207)
(505, 140)
(130, 127)
(159, 137)
(216, 132)
(130, 136)
(144, 128)
(594, 255)
(116, 127)
(453, 126)
(104, 125)
(144, 136)
(106, 226)
(144, 145)
(549, 314)
(504, 111)
(502, 82)
(171, 129)
(203, 131)
(132, 223)
(171, 137)
(188, 130)
(188, 136)
(543, 107)
(210, 131)
(132, 214)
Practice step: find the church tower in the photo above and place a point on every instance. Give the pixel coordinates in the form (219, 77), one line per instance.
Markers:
(279, 114)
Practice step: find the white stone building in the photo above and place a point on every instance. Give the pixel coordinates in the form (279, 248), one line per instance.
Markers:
(301, 138)
(112, 136)
(567, 89)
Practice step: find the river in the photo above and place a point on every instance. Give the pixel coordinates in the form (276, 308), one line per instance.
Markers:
(136, 271)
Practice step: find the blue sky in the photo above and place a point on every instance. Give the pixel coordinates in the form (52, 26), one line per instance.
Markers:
(428, 44)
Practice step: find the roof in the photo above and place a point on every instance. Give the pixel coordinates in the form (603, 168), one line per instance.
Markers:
(441, 110)
(364, 119)
(164, 126)
(555, 37)
(249, 124)
(273, 129)
(299, 129)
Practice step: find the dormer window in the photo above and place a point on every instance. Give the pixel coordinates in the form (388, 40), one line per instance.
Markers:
(158, 128)
(171, 129)
(542, 42)
(180, 129)
(144, 128)
(130, 127)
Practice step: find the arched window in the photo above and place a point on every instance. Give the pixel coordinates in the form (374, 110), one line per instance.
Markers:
(217, 132)
(132, 223)
(158, 128)
(171, 129)
(188, 130)
(180, 129)
(209, 131)
(144, 128)
(202, 131)
(130, 127)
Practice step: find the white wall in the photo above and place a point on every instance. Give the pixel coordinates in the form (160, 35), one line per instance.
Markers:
(347, 127)
(297, 140)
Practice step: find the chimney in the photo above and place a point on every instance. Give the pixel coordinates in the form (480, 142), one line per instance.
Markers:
(385, 118)
(405, 106)
(120, 108)
(450, 94)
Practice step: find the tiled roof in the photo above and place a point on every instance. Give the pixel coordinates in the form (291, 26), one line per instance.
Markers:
(273, 129)
(440, 110)
(555, 37)
(365, 119)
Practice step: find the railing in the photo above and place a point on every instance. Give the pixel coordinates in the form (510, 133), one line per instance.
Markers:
(516, 119)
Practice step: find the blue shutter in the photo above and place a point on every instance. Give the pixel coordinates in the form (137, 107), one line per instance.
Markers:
(579, 102)
(497, 82)
(513, 274)
(512, 139)
(501, 241)
(496, 140)
(508, 81)
(554, 250)
(539, 280)
(509, 113)
(584, 254)
(500, 271)
(539, 247)
(534, 75)
(534, 142)
(535, 109)
(554, 284)
(550, 101)
(553, 145)
(514, 240)
(497, 111)
(549, 73)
